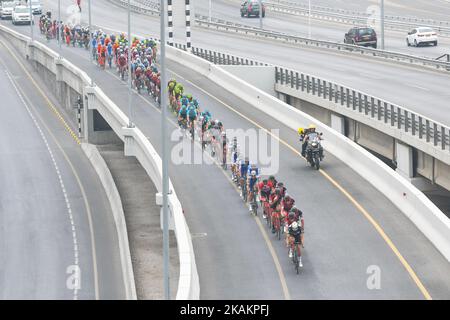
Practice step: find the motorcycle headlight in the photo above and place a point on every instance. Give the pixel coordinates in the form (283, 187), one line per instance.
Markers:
(314, 144)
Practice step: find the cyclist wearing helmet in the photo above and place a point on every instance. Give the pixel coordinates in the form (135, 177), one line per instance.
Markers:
(245, 164)
(295, 237)
(264, 193)
(252, 183)
(280, 185)
(275, 205)
(182, 116)
(192, 114)
(255, 168)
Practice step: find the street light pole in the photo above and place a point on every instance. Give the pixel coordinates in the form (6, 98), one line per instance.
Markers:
(59, 26)
(382, 24)
(309, 19)
(210, 11)
(130, 115)
(260, 14)
(31, 21)
(165, 161)
(90, 29)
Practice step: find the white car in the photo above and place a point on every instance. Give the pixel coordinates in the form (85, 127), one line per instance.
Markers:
(36, 6)
(6, 9)
(21, 14)
(421, 35)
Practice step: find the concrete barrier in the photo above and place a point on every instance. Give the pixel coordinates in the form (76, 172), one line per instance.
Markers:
(136, 144)
(412, 202)
(113, 195)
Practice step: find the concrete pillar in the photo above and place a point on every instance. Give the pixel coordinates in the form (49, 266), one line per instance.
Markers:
(404, 159)
(179, 20)
(337, 123)
(88, 116)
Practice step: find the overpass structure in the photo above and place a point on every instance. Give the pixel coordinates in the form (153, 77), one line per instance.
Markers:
(379, 220)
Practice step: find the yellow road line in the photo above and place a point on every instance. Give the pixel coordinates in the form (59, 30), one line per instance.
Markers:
(358, 206)
(329, 178)
(277, 263)
(49, 103)
(75, 173)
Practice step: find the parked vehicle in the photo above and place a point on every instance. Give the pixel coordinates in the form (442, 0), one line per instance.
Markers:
(361, 36)
(6, 9)
(251, 8)
(421, 35)
(21, 15)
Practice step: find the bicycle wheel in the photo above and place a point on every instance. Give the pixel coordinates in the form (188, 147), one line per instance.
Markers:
(279, 229)
(295, 259)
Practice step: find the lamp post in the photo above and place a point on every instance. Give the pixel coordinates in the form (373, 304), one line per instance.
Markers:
(309, 19)
(165, 162)
(59, 27)
(210, 11)
(31, 21)
(382, 24)
(260, 14)
(130, 114)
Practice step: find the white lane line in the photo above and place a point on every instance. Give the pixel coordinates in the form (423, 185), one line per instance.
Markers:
(417, 87)
(55, 165)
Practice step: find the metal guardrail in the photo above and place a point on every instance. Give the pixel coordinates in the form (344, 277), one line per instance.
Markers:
(223, 58)
(219, 24)
(353, 19)
(227, 26)
(400, 118)
(411, 21)
(397, 117)
(137, 6)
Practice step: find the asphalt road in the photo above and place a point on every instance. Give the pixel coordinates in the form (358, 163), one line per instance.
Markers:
(426, 9)
(419, 90)
(236, 256)
(44, 173)
(320, 29)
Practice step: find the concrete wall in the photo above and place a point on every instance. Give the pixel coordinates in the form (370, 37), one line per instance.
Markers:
(136, 144)
(262, 77)
(413, 203)
(374, 138)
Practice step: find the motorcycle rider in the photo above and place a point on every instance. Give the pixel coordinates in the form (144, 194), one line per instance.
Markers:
(307, 134)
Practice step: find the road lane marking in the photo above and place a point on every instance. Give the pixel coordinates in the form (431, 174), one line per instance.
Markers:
(57, 171)
(74, 171)
(49, 103)
(351, 199)
(358, 206)
(273, 254)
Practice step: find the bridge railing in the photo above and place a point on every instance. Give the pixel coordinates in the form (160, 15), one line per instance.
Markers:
(409, 122)
(435, 135)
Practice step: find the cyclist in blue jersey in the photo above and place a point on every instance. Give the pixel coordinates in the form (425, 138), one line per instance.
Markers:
(182, 116)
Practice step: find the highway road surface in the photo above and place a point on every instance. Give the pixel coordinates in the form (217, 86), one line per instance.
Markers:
(57, 233)
(238, 258)
(420, 90)
(320, 29)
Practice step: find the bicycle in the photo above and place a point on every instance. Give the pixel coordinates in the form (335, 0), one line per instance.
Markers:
(224, 157)
(254, 203)
(191, 130)
(277, 226)
(295, 257)
(243, 183)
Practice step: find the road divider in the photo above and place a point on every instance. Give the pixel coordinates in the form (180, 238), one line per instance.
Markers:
(115, 201)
